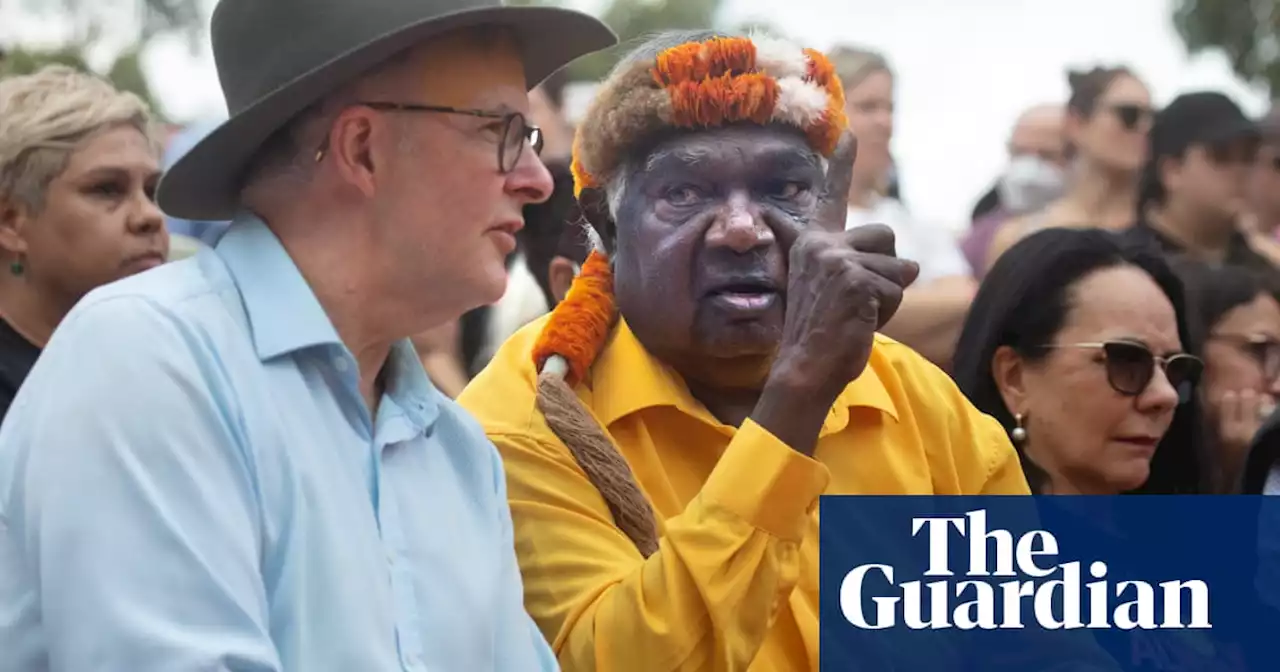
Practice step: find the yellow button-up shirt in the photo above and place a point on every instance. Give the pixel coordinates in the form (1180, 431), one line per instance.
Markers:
(734, 585)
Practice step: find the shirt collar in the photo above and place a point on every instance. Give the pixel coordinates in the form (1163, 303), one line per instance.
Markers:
(627, 379)
(284, 314)
(409, 388)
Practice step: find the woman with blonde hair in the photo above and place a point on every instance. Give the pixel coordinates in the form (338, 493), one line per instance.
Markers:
(933, 309)
(78, 169)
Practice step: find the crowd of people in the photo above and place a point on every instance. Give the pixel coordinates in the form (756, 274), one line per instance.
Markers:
(396, 368)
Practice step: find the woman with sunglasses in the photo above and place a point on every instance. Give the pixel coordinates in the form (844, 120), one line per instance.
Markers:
(1240, 319)
(1078, 344)
(1108, 116)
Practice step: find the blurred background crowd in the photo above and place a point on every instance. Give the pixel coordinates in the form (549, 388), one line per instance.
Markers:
(1073, 173)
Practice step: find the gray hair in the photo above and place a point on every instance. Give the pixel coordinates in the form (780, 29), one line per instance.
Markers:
(45, 116)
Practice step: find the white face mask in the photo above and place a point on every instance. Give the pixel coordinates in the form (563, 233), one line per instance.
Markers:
(1029, 183)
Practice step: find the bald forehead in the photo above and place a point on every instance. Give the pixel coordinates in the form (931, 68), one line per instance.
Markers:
(1039, 131)
(1041, 117)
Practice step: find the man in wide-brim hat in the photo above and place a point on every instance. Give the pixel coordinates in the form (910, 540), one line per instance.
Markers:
(236, 461)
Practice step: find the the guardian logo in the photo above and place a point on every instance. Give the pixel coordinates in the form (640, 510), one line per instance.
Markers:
(1051, 594)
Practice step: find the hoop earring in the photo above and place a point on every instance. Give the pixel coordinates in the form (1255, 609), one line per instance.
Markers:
(1018, 434)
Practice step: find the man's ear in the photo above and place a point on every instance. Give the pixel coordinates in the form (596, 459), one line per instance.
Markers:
(560, 275)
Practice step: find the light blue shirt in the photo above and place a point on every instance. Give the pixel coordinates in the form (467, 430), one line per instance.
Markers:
(190, 480)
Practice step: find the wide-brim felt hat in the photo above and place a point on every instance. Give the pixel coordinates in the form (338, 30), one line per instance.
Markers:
(275, 58)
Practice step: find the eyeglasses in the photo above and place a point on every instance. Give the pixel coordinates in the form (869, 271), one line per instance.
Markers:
(1131, 366)
(1263, 350)
(1131, 115)
(516, 131)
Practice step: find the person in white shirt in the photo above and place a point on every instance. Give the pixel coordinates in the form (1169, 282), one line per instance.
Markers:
(934, 308)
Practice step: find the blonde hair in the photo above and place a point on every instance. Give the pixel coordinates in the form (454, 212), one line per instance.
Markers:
(43, 118)
(854, 64)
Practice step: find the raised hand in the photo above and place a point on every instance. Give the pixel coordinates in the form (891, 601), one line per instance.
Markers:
(842, 286)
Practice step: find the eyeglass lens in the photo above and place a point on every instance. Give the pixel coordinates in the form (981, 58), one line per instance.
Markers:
(1130, 368)
(514, 136)
(1130, 115)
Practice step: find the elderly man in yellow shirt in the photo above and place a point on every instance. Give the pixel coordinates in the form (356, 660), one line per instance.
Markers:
(668, 429)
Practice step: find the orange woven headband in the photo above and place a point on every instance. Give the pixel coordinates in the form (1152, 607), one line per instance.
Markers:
(707, 84)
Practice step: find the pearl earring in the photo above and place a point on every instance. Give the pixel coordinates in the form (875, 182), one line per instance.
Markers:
(1018, 434)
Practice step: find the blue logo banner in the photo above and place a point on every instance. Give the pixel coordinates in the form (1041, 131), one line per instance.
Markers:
(1136, 583)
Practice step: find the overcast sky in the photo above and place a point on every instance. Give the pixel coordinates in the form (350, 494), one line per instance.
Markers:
(965, 70)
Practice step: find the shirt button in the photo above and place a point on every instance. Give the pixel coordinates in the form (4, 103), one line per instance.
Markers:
(340, 363)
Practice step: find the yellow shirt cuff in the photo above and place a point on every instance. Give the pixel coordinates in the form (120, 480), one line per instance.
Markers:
(767, 483)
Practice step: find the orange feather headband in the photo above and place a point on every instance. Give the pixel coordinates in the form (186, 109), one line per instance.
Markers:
(692, 86)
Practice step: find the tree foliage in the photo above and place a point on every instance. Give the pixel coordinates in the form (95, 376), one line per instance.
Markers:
(145, 18)
(88, 20)
(1248, 31)
(125, 72)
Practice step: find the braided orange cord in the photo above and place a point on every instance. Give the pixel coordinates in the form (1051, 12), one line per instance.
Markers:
(579, 326)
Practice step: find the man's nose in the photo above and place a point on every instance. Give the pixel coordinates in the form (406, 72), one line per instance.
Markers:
(739, 226)
(530, 180)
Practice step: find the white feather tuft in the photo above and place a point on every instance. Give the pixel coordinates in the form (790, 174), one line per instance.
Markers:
(779, 58)
(800, 103)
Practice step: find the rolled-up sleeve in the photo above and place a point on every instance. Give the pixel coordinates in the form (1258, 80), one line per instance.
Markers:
(130, 509)
(704, 601)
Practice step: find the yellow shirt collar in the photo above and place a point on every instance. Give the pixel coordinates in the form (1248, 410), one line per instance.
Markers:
(626, 379)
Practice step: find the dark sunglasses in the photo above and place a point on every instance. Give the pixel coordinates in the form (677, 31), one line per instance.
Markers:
(1131, 366)
(515, 133)
(1263, 350)
(1131, 115)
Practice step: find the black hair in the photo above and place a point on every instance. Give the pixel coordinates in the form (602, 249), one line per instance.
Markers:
(554, 86)
(553, 229)
(1023, 303)
(1087, 89)
(987, 204)
(1213, 290)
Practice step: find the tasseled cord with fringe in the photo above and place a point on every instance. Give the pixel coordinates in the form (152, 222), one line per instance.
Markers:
(570, 341)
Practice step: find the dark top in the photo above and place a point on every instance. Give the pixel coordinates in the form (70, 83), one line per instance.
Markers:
(17, 356)
(1238, 251)
(1264, 454)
